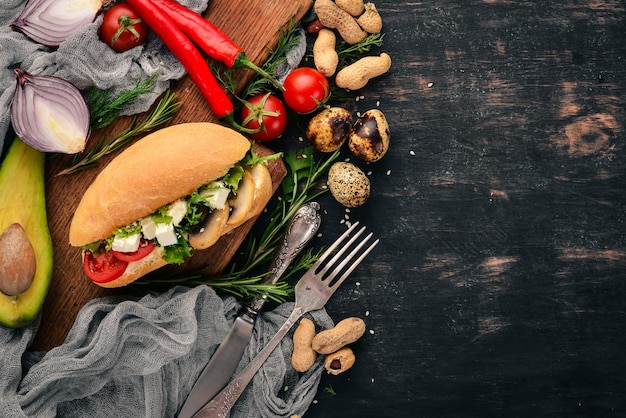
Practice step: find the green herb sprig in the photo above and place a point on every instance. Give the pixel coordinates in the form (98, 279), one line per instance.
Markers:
(162, 113)
(330, 390)
(289, 39)
(104, 107)
(350, 53)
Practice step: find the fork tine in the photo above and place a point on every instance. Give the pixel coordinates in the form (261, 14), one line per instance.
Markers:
(349, 257)
(333, 246)
(340, 253)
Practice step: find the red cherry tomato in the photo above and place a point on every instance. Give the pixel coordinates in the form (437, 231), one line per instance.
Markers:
(266, 111)
(122, 28)
(103, 268)
(145, 248)
(306, 90)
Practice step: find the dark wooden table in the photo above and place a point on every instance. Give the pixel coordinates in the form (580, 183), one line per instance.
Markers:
(498, 289)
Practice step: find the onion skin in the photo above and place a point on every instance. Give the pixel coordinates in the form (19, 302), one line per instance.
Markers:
(50, 22)
(49, 113)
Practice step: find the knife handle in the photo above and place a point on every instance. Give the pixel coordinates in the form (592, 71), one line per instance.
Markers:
(301, 228)
(222, 403)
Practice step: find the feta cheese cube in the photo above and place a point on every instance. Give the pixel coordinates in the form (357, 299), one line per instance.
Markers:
(165, 234)
(216, 195)
(127, 244)
(177, 211)
(148, 227)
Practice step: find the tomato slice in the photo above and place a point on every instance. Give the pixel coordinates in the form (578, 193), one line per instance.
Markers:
(103, 268)
(145, 248)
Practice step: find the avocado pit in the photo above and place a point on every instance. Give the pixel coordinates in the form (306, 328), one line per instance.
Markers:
(17, 261)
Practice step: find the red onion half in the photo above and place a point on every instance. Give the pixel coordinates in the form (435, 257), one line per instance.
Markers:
(50, 22)
(49, 113)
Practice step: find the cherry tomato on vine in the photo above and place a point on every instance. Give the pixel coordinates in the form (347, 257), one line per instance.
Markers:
(306, 90)
(266, 111)
(122, 28)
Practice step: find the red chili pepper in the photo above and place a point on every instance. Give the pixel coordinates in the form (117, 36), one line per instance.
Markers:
(195, 64)
(210, 38)
(204, 33)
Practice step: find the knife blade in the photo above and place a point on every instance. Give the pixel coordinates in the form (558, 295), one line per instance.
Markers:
(300, 230)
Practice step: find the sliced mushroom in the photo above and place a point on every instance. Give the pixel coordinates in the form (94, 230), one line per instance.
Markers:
(212, 229)
(242, 203)
(262, 188)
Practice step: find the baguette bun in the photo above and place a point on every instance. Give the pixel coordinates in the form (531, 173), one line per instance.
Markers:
(163, 166)
(216, 226)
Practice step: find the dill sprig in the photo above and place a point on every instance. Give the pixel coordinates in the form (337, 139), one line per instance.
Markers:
(104, 108)
(162, 113)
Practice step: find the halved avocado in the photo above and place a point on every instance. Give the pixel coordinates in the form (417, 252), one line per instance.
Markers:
(23, 201)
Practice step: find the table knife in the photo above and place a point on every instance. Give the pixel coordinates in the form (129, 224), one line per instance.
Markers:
(302, 226)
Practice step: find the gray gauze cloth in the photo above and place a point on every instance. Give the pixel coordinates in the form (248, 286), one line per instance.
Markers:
(85, 61)
(140, 358)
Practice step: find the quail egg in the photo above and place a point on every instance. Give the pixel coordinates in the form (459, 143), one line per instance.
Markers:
(348, 184)
(369, 138)
(329, 129)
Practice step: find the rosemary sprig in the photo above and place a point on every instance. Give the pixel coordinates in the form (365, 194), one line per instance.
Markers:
(243, 285)
(350, 53)
(162, 113)
(104, 108)
(289, 39)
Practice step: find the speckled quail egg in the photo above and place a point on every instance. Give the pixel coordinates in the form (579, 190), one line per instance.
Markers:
(369, 138)
(348, 184)
(329, 129)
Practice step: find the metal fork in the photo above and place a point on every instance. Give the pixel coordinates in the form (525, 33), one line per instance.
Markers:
(312, 292)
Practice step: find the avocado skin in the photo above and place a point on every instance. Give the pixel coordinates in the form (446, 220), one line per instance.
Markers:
(23, 200)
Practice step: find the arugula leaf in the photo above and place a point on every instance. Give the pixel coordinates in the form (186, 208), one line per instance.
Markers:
(179, 252)
(233, 177)
(161, 216)
(252, 158)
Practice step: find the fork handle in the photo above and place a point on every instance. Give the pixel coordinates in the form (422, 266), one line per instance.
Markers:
(222, 403)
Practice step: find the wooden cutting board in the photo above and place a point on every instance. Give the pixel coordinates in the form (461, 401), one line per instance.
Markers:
(253, 24)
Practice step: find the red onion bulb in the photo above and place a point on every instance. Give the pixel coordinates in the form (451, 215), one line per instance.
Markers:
(49, 113)
(50, 22)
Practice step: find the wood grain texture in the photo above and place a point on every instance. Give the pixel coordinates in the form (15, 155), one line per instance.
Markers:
(498, 288)
(256, 29)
